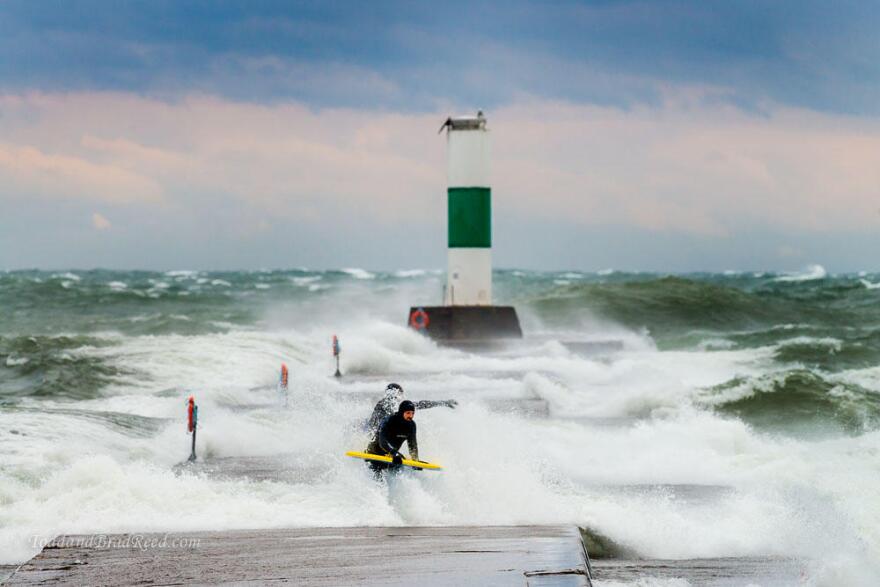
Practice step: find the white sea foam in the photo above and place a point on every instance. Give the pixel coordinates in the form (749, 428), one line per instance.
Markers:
(183, 273)
(811, 273)
(833, 344)
(632, 447)
(359, 273)
(305, 280)
(410, 273)
(716, 344)
(117, 285)
(869, 285)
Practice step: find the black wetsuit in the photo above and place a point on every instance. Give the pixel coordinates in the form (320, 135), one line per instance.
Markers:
(395, 429)
(388, 406)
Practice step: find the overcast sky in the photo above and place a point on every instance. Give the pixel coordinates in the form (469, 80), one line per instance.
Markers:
(665, 136)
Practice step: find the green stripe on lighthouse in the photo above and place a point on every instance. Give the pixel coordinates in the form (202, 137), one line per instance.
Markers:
(470, 217)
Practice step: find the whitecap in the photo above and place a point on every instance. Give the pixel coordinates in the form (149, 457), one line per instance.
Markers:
(605, 271)
(117, 285)
(13, 362)
(358, 273)
(144, 317)
(869, 285)
(716, 344)
(410, 273)
(809, 274)
(305, 280)
(833, 344)
(222, 282)
(572, 275)
(262, 286)
(181, 273)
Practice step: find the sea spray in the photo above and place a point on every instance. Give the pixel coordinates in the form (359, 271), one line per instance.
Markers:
(737, 416)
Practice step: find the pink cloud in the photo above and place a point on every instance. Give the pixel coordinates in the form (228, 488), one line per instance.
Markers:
(26, 170)
(691, 164)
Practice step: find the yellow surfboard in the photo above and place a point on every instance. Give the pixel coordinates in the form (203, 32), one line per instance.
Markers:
(385, 459)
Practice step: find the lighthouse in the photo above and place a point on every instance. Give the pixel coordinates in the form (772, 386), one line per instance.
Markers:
(469, 218)
(467, 314)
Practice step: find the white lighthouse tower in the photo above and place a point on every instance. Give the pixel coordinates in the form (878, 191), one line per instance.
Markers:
(467, 314)
(469, 200)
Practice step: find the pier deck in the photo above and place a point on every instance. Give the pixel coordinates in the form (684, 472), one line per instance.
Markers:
(495, 555)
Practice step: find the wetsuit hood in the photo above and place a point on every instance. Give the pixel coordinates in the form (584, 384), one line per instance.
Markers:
(406, 406)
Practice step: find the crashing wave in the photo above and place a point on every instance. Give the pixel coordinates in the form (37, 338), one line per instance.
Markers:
(811, 273)
(358, 273)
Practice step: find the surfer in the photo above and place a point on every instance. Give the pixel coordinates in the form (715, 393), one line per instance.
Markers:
(395, 429)
(388, 404)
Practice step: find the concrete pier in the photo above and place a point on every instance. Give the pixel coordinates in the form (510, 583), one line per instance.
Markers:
(487, 556)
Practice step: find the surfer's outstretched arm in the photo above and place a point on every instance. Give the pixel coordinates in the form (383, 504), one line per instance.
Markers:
(426, 403)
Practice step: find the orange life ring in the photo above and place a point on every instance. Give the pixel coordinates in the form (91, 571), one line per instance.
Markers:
(419, 319)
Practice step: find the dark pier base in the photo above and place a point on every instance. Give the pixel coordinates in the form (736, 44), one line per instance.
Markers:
(466, 324)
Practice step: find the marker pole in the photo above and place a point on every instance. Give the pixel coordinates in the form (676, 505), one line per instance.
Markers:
(282, 383)
(192, 456)
(336, 352)
(192, 424)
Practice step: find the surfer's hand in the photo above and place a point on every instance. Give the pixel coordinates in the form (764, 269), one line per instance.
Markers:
(451, 403)
(417, 468)
(397, 459)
